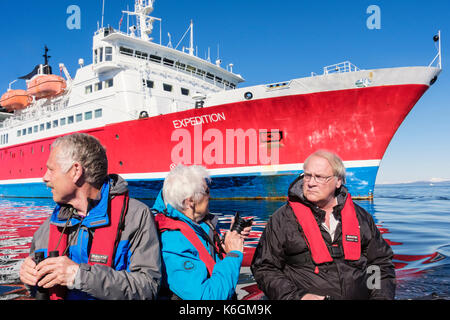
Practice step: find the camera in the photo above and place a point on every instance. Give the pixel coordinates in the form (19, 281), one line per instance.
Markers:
(240, 223)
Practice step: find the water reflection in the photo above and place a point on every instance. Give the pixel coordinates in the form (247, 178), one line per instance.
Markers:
(19, 219)
(413, 221)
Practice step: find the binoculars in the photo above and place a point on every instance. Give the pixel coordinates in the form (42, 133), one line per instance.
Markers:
(240, 223)
(41, 293)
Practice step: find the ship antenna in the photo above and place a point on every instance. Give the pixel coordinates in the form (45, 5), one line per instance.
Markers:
(191, 49)
(103, 12)
(45, 55)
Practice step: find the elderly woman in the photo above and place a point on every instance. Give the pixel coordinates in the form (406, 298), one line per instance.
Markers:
(197, 264)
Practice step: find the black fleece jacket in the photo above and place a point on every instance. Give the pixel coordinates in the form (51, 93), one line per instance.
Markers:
(283, 268)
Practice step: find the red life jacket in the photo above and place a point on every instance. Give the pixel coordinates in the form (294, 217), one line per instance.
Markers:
(104, 242)
(351, 240)
(165, 223)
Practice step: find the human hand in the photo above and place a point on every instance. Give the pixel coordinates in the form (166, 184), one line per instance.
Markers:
(310, 296)
(233, 242)
(54, 271)
(28, 272)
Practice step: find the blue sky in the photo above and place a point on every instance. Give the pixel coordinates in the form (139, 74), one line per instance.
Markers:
(268, 41)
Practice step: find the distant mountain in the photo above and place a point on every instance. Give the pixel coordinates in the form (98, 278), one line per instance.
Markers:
(431, 181)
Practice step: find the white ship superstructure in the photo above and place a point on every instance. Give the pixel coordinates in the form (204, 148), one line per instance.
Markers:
(130, 77)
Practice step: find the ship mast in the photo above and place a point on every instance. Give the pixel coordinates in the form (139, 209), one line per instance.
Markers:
(142, 10)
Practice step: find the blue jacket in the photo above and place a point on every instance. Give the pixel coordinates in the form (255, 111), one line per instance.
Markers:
(184, 272)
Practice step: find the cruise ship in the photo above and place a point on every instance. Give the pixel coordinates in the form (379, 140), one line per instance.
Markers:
(154, 106)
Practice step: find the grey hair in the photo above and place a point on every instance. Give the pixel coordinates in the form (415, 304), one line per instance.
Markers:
(333, 159)
(184, 182)
(88, 151)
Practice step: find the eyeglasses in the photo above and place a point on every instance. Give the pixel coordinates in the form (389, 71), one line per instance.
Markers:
(206, 192)
(319, 179)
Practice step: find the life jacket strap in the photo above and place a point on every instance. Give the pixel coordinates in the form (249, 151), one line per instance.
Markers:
(165, 223)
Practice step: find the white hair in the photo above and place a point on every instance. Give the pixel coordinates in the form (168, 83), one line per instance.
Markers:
(333, 159)
(184, 182)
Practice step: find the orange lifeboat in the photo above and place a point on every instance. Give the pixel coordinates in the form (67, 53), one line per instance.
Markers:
(15, 100)
(46, 86)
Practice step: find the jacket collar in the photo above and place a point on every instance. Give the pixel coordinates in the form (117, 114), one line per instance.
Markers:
(97, 215)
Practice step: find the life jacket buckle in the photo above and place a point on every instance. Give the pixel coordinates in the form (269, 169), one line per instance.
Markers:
(336, 251)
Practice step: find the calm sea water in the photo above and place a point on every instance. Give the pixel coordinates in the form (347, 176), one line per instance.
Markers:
(413, 218)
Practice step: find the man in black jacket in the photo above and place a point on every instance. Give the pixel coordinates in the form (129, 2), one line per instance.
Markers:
(321, 245)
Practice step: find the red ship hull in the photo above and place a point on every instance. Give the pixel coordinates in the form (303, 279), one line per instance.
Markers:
(265, 138)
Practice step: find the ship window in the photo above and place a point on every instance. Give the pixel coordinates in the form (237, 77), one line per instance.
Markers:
(35, 128)
(201, 72)
(167, 87)
(24, 132)
(100, 58)
(190, 69)
(55, 123)
(88, 115)
(30, 130)
(42, 148)
(149, 83)
(62, 121)
(109, 83)
(184, 91)
(98, 86)
(219, 80)
(98, 113)
(180, 65)
(49, 125)
(141, 55)
(155, 58)
(168, 62)
(95, 56)
(108, 53)
(126, 51)
(41, 127)
(210, 76)
(69, 119)
(79, 117)
(88, 89)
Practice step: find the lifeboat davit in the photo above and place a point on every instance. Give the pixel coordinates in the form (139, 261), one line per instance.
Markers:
(46, 86)
(15, 100)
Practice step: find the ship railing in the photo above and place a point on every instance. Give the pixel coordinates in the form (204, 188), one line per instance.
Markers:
(34, 113)
(342, 67)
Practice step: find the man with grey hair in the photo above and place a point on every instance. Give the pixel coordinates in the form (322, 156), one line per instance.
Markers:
(322, 245)
(197, 265)
(98, 243)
